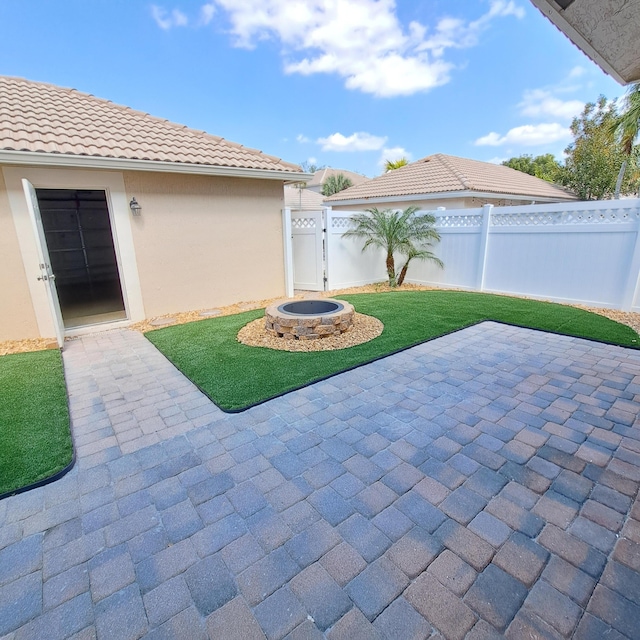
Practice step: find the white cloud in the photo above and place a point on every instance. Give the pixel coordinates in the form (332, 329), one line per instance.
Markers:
(359, 141)
(454, 33)
(492, 139)
(577, 72)
(396, 153)
(393, 154)
(504, 8)
(496, 160)
(392, 75)
(362, 41)
(541, 103)
(302, 138)
(528, 135)
(168, 19)
(207, 11)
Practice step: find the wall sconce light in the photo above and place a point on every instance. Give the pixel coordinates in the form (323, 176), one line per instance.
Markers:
(136, 209)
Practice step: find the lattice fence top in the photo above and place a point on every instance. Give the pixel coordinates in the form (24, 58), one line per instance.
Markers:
(543, 219)
(609, 216)
(341, 223)
(457, 221)
(303, 223)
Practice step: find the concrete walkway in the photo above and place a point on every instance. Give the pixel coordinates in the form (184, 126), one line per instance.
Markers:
(482, 485)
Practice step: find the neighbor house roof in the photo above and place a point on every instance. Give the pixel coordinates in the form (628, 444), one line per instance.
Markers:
(301, 198)
(321, 175)
(608, 31)
(39, 118)
(440, 174)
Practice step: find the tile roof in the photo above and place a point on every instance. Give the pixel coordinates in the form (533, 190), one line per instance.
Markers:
(441, 173)
(45, 118)
(295, 198)
(322, 174)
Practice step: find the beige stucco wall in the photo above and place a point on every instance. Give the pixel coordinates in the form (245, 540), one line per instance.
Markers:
(17, 316)
(205, 241)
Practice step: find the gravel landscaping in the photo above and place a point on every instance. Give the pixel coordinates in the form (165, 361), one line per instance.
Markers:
(628, 318)
(364, 328)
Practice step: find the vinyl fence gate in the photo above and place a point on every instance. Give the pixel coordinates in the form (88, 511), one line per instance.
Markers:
(308, 240)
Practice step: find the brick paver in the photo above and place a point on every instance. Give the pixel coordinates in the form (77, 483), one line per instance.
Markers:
(482, 485)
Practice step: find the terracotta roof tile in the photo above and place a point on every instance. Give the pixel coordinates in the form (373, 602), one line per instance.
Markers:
(304, 199)
(441, 173)
(44, 118)
(322, 174)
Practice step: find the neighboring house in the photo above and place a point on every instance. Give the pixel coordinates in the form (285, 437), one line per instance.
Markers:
(319, 177)
(447, 181)
(133, 215)
(301, 199)
(608, 31)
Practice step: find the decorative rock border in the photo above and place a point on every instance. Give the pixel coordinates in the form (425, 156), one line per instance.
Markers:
(308, 327)
(364, 328)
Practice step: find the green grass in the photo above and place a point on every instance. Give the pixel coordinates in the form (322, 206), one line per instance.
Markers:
(236, 376)
(35, 435)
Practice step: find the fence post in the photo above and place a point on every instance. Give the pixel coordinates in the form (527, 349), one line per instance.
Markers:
(484, 241)
(287, 241)
(327, 214)
(633, 279)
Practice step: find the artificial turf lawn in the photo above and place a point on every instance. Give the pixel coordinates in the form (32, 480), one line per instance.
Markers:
(236, 376)
(35, 434)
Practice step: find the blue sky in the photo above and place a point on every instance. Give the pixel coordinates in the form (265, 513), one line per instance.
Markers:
(346, 83)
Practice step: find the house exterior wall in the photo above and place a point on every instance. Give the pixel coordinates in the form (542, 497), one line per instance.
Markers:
(18, 319)
(70, 178)
(430, 204)
(206, 241)
(201, 242)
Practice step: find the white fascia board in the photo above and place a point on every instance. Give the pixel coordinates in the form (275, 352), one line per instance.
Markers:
(38, 159)
(448, 196)
(551, 11)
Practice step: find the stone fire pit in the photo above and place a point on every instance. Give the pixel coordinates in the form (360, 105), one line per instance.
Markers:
(308, 319)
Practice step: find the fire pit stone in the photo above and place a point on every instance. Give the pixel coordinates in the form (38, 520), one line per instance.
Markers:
(308, 319)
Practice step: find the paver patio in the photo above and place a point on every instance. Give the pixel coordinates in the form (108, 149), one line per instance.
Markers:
(482, 485)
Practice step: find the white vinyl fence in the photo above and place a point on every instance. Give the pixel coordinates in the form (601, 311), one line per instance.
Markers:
(307, 238)
(582, 252)
(318, 258)
(347, 264)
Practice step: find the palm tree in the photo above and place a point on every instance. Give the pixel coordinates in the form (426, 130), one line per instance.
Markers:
(627, 124)
(419, 254)
(396, 232)
(336, 183)
(627, 127)
(311, 167)
(390, 165)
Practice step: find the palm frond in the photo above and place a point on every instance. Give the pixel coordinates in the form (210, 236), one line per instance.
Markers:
(395, 231)
(627, 124)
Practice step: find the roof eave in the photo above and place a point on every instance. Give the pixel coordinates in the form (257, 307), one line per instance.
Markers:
(124, 164)
(451, 195)
(551, 12)
(297, 184)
